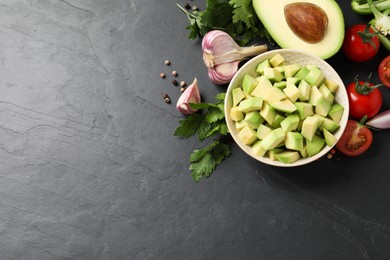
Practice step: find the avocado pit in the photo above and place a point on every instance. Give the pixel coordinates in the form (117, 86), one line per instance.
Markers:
(308, 21)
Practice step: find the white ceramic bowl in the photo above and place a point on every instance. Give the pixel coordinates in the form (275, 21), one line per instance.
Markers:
(291, 56)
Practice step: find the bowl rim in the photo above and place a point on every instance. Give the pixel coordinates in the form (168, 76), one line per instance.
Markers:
(256, 60)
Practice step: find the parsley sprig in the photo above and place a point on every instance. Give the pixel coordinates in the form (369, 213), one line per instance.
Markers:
(236, 17)
(209, 124)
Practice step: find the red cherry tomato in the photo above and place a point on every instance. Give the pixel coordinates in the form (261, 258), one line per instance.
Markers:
(360, 43)
(365, 99)
(384, 71)
(355, 140)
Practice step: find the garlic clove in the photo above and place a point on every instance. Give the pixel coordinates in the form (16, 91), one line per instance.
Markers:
(190, 95)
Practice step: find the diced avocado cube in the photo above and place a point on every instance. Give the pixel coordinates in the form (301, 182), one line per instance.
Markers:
(320, 120)
(315, 145)
(330, 139)
(273, 74)
(263, 85)
(305, 89)
(290, 123)
(336, 112)
(258, 149)
(293, 80)
(277, 120)
(329, 125)
(250, 104)
(236, 114)
(292, 92)
(254, 119)
(262, 65)
(241, 124)
(326, 93)
(280, 84)
(274, 95)
(331, 85)
(315, 77)
(237, 95)
(280, 69)
(303, 151)
(291, 69)
(271, 153)
(247, 135)
(273, 139)
(268, 113)
(302, 73)
(248, 84)
(284, 105)
(323, 106)
(294, 141)
(309, 127)
(288, 156)
(315, 95)
(263, 131)
(276, 60)
(304, 109)
(299, 127)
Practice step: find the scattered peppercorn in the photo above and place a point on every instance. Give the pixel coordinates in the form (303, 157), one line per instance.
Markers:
(195, 8)
(162, 75)
(166, 98)
(167, 62)
(183, 84)
(187, 6)
(329, 156)
(182, 89)
(333, 151)
(174, 82)
(174, 73)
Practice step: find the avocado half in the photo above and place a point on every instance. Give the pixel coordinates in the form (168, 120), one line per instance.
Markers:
(272, 14)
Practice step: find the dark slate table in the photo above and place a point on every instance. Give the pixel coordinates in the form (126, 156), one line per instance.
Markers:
(90, 169)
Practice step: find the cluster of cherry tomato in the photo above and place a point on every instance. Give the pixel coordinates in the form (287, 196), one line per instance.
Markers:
(365, 100)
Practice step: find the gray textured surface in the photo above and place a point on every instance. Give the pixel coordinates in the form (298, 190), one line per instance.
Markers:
(90, 169)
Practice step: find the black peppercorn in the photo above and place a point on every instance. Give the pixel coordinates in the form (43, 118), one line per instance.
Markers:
(166, 98)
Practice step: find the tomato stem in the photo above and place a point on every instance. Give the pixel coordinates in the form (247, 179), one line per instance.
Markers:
(367, 36)
(365, 88)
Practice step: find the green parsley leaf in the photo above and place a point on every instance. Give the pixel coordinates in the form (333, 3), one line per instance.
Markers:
(188, 126)
(236, 17)
(208, 124)
(203, 167)
(214, 114)
(220, 96)
(220, 152)
(243, 12)
(204, 161)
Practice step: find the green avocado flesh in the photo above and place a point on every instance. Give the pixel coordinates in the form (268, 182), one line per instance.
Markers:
(274, 121)
(272, 15)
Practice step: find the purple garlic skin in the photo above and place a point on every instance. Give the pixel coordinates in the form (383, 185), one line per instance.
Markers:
(223, 73)
(190, 95)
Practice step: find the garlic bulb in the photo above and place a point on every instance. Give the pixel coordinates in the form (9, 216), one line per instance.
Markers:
(190, 95)
(222, 55)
